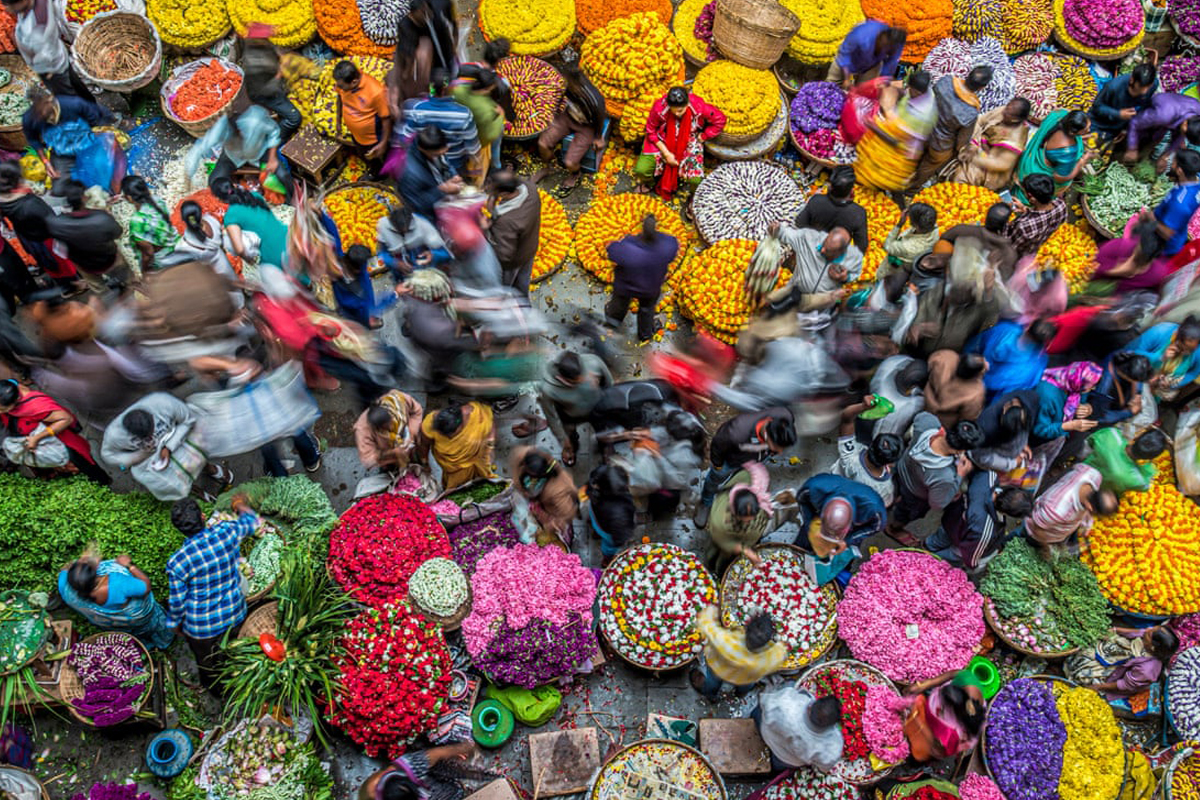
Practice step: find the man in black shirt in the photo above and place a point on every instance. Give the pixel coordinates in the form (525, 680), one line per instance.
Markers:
(752, 436)
(90, 235)
(264, 80)
(837, 209)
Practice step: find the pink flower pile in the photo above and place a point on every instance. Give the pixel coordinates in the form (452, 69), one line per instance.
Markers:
(517, 585)
(883, 724)
(911, 615)
(979, 787)
(1103, 23)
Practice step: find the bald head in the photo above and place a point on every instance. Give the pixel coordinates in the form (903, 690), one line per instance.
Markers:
(836, 243)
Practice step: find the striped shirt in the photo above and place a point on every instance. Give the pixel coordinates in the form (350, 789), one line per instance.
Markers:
(206, 594)
(726, 654)
(451, 117)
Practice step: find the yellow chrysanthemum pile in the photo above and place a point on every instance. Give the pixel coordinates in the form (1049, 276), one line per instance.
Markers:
(1026, 24)
(958, 203)
(555, 239)
(1093, 764)
(974, 19)
(629, 57)
(293, 20)
(317, 99)
(749, 98)
(633, 119)
(1073, 253)
(535, 27)
(683, 24)
(189, 23)
(356, 212)
(882, 216)
(823, 25)
(1076, 85)
(713, 289)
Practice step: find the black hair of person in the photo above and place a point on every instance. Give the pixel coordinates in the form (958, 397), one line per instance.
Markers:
(227, 191)
(135, 188)
(885, 449)
(497, 50)
(10, 176)
(431, 138)
(922, 216)
(1148, 444)
(841, 182)
(187, 517)
(1188, 161)
(1014, 502)
(964, 435)
(345, 72)
(969, 711)
(378, 417)
(1024, 108)
(357, 258)
(1106, 502)
(448, 420)
(569, 366)
(825, 712)
(1039, 187)
(1014, 420)
(537, 465)
(138, 422)
(970, 366)
(73, 193)
(979, 78)
(1164, 642)
(485, 80)
(997, 217)
(919, 81)
(1144, 74)
(10, 392)
(400, 218)
(649, 228)
(193, 219)
(1041, 332)
(1074, 123)
(760, 632)
(1134, 366)
(782, 433)
(82, 577)
(914, 375)
(677, 97)
(1189, 329)
(683, 427)
(745, 504)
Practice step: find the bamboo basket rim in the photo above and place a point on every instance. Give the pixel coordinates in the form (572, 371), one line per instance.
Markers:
(746, 138)
(1091, 219)
(784, 87)
(756, 30)
(991, 617)
(96, 27)
(593, 792)
(23, 771)
(202, 124)
(726, 153)
(22, 78)
(70, 687)
(1124, 50)
(824, 162)
(263, 619)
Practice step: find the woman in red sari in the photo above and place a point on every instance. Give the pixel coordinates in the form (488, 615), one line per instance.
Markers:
(678, 125)
(22, 409)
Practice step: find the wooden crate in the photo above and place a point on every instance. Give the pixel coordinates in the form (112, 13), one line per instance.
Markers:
(734, 747)
(499, 789)
(314, 156)
(563, 762)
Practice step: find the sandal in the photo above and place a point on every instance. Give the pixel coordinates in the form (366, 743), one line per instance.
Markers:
(904, 537)
(531, 426)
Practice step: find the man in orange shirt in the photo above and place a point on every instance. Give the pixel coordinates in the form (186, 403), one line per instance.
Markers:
(363, 108)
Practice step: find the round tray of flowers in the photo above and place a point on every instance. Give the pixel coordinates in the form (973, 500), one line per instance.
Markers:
(850, 681)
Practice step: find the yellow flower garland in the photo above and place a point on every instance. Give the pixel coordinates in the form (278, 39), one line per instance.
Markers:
(1073, 253)
(713, 289)
(632, 126)
(617, 215)
(748, 97)
(555, 239)
(293, 20)
(356, 212)
(823, 26)
(535, 27)
(188, 23)
(317, 99)
(882, 216)
(958, 203)
(1076, 86)
(683, 25)
(628, 56)
(1025, 24)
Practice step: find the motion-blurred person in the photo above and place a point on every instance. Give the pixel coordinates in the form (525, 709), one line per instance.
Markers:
(1169, 114)
(974, 526)
(1126, 466)
(903, 245)
(511, 226)
(571, 387)
(870, 49)
(1069, 507)
(995, 148)
(90, 236)
(1016, 356)
(901, 381)
(929, 474)
(741, 515)
(752, 436)
(611, 512)
(406, 242)
(958, 109)
(640, 265)
(954, 389)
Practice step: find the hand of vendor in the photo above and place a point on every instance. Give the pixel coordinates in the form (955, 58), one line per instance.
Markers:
(376, 151)
(751, 556)
(241, 504)
(1130, 157)
(272, 165)
(452, 186)
(124, 560)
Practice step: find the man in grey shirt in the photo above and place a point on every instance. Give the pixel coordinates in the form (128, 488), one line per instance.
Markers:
(958, 108)
(799, 729)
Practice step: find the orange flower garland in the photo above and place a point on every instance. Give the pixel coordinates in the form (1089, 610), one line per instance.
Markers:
(882, 216)
(8, 24)
(592, 15)
(712, 289)
(958, 203)
(555, 239)
(632, 126)
(614, 216)
(1073, 253)
(927, 23)
(340, 27)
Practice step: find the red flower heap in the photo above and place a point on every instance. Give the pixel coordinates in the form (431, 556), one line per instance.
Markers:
(853, 696)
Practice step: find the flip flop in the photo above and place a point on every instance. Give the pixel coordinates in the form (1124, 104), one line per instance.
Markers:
(903, 537)
(531, 426)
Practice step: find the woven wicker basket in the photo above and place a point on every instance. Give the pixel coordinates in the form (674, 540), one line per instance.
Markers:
(824, 162)
(106, 38)
(753, 33)
(1097, 226)
(179, 76)
(71, 688)
(989, 616)
(259, 621)
(18, 771)
(12, 137)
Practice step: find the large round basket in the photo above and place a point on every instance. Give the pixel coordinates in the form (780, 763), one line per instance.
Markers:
(753, 33)
(983, 731)
(657, 768)
(71, 687)
(824, 162)
(1192, 40)
(1184, 753)
(765, 143)
(859, 772)
(1097, 226)
(454, 621)
(179, 76)
(727, 140)
(740, 570)
(118, 51)
(903, 790)
(25, 779)
(1124, 50)
(12, 137)
(993, 622)
(522, 97)
(259, 621)
(38, 633)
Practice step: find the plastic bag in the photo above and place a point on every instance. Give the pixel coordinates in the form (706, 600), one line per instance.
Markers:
(102, 163)
(50, 452)
(1187, 451)
(532, 707)
(908, 314)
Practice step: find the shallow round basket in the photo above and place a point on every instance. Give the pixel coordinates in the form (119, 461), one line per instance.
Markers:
(824, 162)
(858, 772)
(178, 77)
(259, 621)
(727, 140)
(909, 789)
(454, 621)
(993, 623)
(71, 687)
(1192, 40)
(1117, 55)
(767, 142)
(785, 84)
(1184, 753)
(664, 755)
(12, 137)
(1091, 220)
(983, 731)
(26, 777)
(106, 38)
(380, 187)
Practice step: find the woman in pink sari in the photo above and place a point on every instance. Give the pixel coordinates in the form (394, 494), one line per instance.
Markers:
(21, 411)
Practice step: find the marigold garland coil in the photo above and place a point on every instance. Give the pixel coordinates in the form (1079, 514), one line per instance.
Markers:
(629, 55)
(189, 24)
(683, 25)
(1076, 86)
(556, 239)
(823, 26)
(1073, 253)
(1026, 24)
(749, 98)
(534, 27)
(292, 20)
(976, 18)
(537, 89)
(713, 288)
(341, 27)
(356, 211)
(1037, 82)
(882, 216)
(926, 23)
(592, 15)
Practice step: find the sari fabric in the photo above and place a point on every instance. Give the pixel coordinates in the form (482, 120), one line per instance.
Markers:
(32, 409)
(891, 147)
(141, 616)
(1076, 379)
(467, 454)
(1037, 159)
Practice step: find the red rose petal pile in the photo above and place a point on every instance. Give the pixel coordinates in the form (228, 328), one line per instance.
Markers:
(379, 543)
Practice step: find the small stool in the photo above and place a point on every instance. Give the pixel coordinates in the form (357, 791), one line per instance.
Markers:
(313, 155)
(591, 160)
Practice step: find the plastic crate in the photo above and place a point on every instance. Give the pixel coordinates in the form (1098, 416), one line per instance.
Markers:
(591, 160)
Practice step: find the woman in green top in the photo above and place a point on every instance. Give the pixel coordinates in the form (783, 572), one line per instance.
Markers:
(741, 514)
(489, 117)
(248, 212)
(150, 228)
(1057, 150)
(1125, 466)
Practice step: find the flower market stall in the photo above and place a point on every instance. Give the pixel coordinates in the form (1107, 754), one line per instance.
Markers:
(713, 289)
(851, 683)
(537, 90)
(657, 766)
(1112, 197)
(740, 201)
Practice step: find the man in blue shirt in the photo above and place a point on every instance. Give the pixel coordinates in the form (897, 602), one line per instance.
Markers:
(870, 49)
(1180, 204)
(46, 111)
(1122, 98)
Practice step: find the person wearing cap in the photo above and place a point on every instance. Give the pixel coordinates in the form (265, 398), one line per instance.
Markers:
(676, 129)
(847, 510)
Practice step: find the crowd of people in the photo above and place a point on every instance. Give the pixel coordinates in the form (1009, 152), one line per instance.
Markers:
(973, 399)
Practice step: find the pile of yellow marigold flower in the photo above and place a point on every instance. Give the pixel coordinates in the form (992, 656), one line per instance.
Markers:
(958, 203)
(629, 57)
(1073, 253)
(713, 288)
(555, 238)
(356, 210)
(189, 23)
(749, 98)
(534, 27)
(823, 26)
(292, 20)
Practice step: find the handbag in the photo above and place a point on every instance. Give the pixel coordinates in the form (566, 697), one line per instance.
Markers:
(50, 451)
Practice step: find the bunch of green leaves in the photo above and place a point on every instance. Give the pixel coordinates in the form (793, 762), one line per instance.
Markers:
(312, 615)
(183, 786)
(480, 491)
(297, 505)
(19, 689)
(1077, 604)
(1016, 579)
(44, 524)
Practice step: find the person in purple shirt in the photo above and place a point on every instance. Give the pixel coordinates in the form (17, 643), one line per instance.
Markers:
(870, 49)
(1176, 114)
(1139, 656)
(639, 268)
(1176, 209)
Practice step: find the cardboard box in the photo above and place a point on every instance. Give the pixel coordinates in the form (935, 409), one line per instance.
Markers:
(734, 747)
(499, 789)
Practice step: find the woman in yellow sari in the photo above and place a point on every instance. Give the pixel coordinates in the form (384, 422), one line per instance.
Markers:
(462, 438)
(894, 140)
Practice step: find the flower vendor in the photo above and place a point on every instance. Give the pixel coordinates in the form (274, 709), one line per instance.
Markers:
(202, 241)
(433, 322)
(406, 242)
(836, 208)
(871, 49)
(799, 729)
(476, 94)
(1173, 354)
(416, 775)
(1120, 100)
(264, 81)
(930, 472)
(36, 417)
(363, 109)
(248, 213)
(660, 461)
(582, 115)
(1126, 662)
(904, 245)
(569, 390)
(1006, 424)
(975, 526)
(1056, 149)
(753, 435)
(114, 595)
(1068, 507)
(494, 52)
(427, 40)
(206, 594)
(552, 496)
(738, 657)
(448, 115)
(1180, 204)
(428, 176)
(900, 380)
(895, 137)
(612, 512)
(27, 213)
(150, 227)
(1125, 466)
(640, 265)
(742, 512)
(946, 716)
(246, 137)
(824, 263)
(678, 125)
(1016, 355)
(354, 293)
(43, 47)
(386, 433)
(1168, 114)
(1031, 225)
(848, 512)
(957, 111)
(954, 388)
(514, 216)
(996, 146)
(90, 236)
(47, 112)
(461, 438)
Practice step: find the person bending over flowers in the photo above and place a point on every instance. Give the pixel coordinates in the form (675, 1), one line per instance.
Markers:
(673, 153)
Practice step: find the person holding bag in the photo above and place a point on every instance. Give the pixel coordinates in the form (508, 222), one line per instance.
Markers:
(39, 422)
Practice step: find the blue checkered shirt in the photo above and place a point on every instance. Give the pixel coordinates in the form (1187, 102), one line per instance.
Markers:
(206, 594)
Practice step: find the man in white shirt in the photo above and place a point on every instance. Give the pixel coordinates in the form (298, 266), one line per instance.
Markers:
(40, 41)
(799, 729)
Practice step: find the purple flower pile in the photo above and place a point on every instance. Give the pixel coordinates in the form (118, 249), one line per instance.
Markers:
(1186, 15)
(113, 791)
(1025, 739)
(1103, 23)
(817, 105)
(1177, 71)
(703, 29)
(471, 541)
(539, 652)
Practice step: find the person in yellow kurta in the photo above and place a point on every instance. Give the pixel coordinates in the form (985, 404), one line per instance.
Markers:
(740, 657)
(462, 438)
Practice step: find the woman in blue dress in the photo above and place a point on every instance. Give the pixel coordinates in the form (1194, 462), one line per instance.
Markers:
(115, 595)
